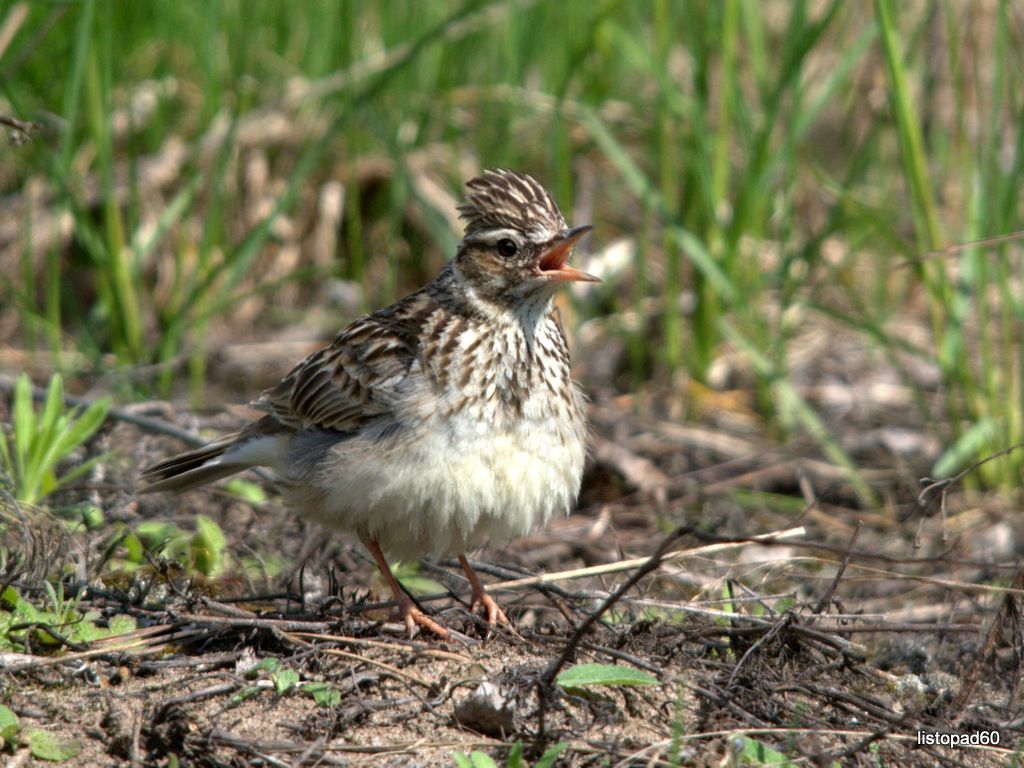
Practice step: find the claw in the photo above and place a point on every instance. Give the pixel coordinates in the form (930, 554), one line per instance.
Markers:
(413, 617)
(483, 602)
(406, 611)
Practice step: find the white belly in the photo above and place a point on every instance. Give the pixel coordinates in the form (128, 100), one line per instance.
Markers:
(450, 490)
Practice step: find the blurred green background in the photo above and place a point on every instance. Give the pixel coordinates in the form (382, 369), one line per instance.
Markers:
(756, 171)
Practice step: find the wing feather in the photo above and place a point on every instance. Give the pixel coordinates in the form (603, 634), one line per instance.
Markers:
(351, 381)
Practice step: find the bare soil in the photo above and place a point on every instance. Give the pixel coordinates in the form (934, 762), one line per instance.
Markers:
(837, 646)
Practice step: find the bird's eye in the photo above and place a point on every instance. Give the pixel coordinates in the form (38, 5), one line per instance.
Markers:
(507, 247)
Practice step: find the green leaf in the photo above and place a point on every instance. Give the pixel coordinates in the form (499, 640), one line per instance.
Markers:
(133, 547)
(462, 760)
(10, 598)
(52, 422)
(264, 566)
(46, 746)
(41, 441)
(421, 585)
(23, 415)
(515, 756)
(603, 674)
(482, 760)
(83, 427)
(209, 533)
(84, 631)
(409, 576)
(54, 402)
(757, 753)
(245, 694)
(6, 458)
(550, 755)
(24, 428)
(153, 533)
(324, 694)
(284, 680)
(121, 625)
(208, 546)
(8, 724)
(270, 664)
(965, 450)
(26, 613)
(246, 491)
(88, 515)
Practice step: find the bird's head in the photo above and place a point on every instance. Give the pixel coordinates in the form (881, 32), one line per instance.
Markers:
(517, 245)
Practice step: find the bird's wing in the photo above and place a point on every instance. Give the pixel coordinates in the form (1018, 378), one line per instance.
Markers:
(349, 382)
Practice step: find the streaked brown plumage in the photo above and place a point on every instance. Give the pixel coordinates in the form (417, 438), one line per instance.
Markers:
(442, 421)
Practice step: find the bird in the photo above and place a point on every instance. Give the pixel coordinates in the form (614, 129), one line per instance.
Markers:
(445, 421)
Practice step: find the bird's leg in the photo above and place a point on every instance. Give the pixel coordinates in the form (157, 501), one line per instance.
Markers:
(406, 610)
(482, 600)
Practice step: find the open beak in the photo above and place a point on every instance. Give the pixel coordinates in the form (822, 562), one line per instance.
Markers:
(554, 262)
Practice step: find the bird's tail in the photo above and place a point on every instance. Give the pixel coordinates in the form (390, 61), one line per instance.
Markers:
(190, 470)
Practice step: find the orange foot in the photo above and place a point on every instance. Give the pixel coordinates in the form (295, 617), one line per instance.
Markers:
(481, 600)
(486, 604)
(413, 617)
(406, 611)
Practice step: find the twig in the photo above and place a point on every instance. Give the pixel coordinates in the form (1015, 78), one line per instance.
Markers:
(1008, 610)
(727, 701)
(965, 586)
(390, 669)
(953, 250)
(626, 565)
(862, 744)
(21, 130)
(779, 625)
(827, 597)
(629, 658)
(53, 633)
(547, 679)
(226, 610)
(546, 581)
(941, 488)
(138, 644)
(206, 693)
(408, 646)
(281, 625)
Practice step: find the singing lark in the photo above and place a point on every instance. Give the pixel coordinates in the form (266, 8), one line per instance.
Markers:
(443, 421)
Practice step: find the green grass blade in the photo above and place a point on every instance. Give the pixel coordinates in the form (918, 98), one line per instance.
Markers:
(641, 187)
(24, 425)
(48, 427)
(908, 124)
(79, 427)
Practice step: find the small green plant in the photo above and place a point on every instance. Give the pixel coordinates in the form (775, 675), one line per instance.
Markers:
(409, 575)
(583, 675)
(270, 673)
(39, 441)
(43, 745)
(748, 751)
(515, 758)
(246, 490)
(25, 626)
(324, 694)
(203, 551)
(9, 726)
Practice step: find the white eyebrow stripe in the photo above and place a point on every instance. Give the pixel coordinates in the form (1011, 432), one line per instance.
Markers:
(492, 236)
(536, 236)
